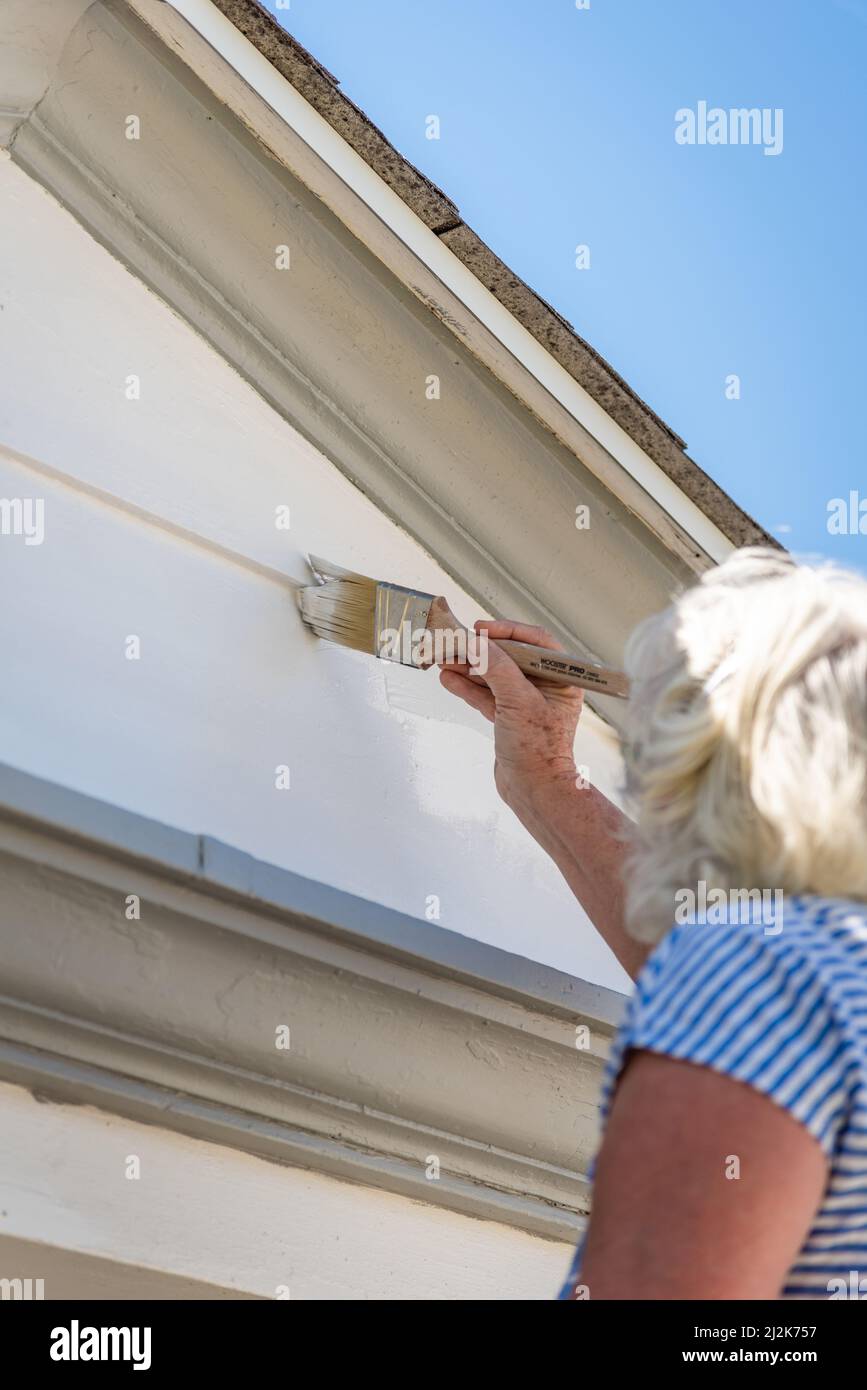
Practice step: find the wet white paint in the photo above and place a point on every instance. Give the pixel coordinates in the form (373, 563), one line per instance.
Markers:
(391, 792)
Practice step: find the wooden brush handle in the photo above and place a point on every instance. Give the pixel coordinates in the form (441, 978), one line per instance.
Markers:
(541, 663)
(564, 669)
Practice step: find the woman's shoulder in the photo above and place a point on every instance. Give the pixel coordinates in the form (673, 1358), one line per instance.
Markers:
(777, 1001)
(822, 931)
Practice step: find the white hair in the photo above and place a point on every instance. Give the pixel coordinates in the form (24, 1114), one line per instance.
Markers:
(747, 762)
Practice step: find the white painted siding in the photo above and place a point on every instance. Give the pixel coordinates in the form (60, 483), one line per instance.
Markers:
(159, 523)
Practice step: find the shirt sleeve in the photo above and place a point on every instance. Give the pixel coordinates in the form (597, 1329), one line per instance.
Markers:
(748, 1005)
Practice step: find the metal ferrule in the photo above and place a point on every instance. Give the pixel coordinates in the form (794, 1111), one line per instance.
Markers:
(401, 616)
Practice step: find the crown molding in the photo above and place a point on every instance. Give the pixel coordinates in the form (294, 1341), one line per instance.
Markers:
(407, 1042)
(34, 34)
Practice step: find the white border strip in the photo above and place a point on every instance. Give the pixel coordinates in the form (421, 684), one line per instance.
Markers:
(314, 130)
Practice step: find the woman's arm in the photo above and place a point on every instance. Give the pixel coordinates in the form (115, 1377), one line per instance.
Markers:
(534, 733)
(670, 1220)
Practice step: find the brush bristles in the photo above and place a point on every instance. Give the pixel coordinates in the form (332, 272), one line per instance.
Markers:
(342, 611)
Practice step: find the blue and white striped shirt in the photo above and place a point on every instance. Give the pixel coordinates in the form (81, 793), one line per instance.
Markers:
(784, 1011)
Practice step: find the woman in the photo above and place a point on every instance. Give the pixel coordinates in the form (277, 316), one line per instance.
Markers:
(733, 1162)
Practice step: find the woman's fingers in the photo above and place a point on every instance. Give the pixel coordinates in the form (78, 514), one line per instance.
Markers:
(471, 691)
(500, 683)
(518, 632)
(511, 688)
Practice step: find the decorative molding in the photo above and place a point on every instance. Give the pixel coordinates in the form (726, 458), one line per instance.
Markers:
(10, 120)
(34, 35)
(206, 1221)
(407, 1041)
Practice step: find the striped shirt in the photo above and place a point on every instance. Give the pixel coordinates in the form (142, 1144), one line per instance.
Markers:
(782, 1008)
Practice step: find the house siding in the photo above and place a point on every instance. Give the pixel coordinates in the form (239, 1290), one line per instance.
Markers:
(160, 525)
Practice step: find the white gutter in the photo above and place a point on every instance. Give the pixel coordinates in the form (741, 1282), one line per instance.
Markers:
(333, 150)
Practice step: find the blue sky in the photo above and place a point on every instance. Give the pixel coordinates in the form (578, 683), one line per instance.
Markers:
(557, 129)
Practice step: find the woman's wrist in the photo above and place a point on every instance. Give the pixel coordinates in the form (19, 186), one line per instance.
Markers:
(538, 798)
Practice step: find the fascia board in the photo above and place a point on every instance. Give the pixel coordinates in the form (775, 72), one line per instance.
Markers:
(398, 220)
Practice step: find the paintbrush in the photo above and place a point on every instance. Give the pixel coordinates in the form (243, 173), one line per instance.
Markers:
(417, 629)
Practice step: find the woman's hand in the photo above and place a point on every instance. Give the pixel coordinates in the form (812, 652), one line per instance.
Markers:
(534, 722)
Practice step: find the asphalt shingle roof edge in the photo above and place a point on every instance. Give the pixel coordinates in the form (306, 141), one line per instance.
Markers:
(658, 440)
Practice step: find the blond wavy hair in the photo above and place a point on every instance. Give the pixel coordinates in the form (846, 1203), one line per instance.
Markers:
(746, 763)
